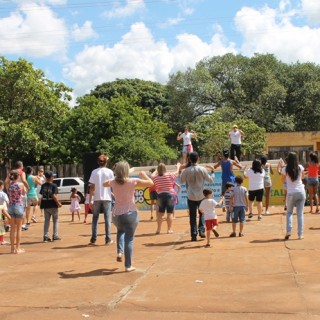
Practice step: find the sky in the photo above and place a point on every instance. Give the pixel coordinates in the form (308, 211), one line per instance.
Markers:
(84, 43)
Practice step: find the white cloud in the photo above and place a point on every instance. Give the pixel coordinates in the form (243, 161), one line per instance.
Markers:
(38, 32)
(311, 9)
(139, 55)
(82, 33)
(130, 8)
(170, 22)
(268, 31)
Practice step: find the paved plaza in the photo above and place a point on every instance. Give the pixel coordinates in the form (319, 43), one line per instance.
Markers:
(259, 276)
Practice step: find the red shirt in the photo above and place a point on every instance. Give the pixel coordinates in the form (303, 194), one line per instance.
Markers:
(164, 183)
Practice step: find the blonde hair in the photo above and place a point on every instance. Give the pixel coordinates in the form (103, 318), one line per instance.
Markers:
(121, 172)
(161, 169)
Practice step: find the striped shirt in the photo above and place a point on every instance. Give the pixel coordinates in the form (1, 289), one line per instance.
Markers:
(164, 183)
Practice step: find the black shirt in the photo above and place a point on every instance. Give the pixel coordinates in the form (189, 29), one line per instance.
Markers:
(47, 190)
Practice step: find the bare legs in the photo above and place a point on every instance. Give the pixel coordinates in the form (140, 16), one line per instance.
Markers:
(267, 195)
(15, 235)
(160, 219)
(313, 196)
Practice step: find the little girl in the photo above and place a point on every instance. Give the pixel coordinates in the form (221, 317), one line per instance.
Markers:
(87, 209)
(75, 203)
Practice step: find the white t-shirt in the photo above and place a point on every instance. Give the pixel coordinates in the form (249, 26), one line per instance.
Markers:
(207, 206)
(98, 177)
(186, 138)
(235, 137)
(255, 179)
(294, 186)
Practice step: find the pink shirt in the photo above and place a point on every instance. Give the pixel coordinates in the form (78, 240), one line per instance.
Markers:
(124, 196)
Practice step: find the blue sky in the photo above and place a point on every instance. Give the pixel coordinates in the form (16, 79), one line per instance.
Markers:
(85, 43)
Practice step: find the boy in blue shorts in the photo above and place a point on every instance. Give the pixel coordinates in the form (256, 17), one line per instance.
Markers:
(239, 203)
(227, 197)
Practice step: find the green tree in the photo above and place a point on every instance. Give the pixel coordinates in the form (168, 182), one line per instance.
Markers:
(151, 96)
(118, 127)
(32, 108)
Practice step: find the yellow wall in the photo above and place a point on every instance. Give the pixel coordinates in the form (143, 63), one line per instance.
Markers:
(292, 139)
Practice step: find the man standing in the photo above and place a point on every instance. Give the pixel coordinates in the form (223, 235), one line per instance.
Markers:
(235, 134)
(101, 198)
(195, 177)
(187, 144)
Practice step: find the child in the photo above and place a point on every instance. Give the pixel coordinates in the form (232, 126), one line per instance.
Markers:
(227, 196)
(4, 201)
(177, 189)
(75, 203)
(153, 196)
(267, 180)
(87, 209)
(239, 203)
(207, 207)
(50, 204)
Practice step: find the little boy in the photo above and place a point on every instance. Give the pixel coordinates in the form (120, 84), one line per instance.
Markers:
(227, 196)
(207, 208)
(238, 205)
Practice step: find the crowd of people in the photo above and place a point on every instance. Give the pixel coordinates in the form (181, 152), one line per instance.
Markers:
(111, 192)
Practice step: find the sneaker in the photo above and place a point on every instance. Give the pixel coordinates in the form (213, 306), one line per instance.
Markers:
(46, 239)
(33, 219)
(119, 257)
(215, 232)
(4, 243)
(287, 236)
(24, 227)
(202, 235)
(92, 241)
(250, 215)
(109, 242)
(28, 224)
(130, 269)
(233, 234)
(267, 213)
(260, 217)
(241, 234)
(194, 239)
(56, 238)
(301, 237)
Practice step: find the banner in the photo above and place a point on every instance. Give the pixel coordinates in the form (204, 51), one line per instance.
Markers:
(142, 197)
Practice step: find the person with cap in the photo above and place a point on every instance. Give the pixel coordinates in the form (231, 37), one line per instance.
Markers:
(227, 169)
(50, 204)
(235, 135)
(101, 198)
(195, 177)
(187, 144)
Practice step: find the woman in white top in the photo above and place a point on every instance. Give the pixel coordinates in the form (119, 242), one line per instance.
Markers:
(187, 144)
(235, 136)
(296, 194)
(125, 216)
(256, 177)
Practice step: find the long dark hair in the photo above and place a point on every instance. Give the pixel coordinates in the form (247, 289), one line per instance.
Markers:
(313, 158)
(256, 166)
(292, 168)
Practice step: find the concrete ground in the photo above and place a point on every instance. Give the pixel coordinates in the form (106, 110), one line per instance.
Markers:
(259, 276)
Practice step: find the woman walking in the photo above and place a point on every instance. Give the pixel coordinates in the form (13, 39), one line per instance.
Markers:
(313, 181)
(296, 195)
(125, 216)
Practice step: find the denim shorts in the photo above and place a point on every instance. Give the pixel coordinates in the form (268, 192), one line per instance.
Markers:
(239, 214)
(166, 202)
(16, 211)
(313, 182)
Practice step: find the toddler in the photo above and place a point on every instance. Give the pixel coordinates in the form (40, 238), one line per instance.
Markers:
(75, 203)
(227, 196)
(207, 208)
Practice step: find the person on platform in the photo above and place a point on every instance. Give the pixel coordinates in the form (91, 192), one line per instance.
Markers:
(187, 143)
(235, 135)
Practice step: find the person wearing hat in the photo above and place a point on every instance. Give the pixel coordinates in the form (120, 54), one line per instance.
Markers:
(50, 204)
(101, 198)
(235, 135)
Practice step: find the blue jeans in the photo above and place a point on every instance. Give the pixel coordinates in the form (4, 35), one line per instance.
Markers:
(48, 213)
(126, 226)
(101, 206)
(296, 199)
(193, 208)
